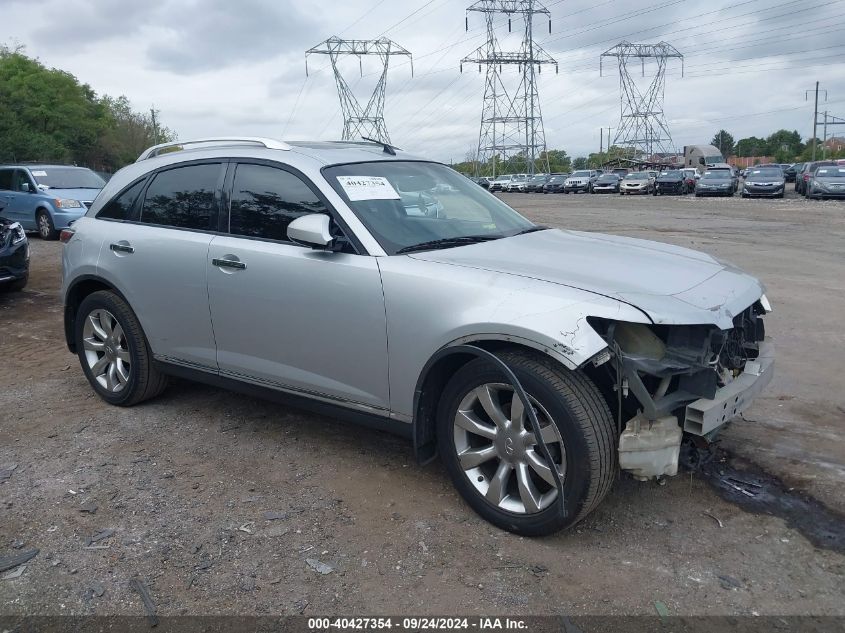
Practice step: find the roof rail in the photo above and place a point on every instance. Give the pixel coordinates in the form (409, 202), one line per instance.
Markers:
(268, 143)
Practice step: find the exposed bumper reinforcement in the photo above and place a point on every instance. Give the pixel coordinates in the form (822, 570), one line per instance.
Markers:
(705, 415)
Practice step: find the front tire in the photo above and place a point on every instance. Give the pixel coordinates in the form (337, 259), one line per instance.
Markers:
(485, 442)
(113, 351)
(46, 228)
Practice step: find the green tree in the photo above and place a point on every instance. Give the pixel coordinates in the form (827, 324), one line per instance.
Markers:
(579, 163)
(724, 140)
(48, 115)
(784, 144)
(751, 146)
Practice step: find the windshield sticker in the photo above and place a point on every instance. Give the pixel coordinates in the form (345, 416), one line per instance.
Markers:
(367, 188)
(39, 172)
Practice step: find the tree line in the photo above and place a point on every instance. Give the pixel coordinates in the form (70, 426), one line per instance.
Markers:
(783, 145)
(47, 115)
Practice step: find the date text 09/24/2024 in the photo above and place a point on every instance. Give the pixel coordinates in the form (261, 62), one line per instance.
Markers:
(417, 623)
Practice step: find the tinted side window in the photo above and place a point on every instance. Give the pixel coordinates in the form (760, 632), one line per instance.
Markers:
(20, 181)
(182, 197)
(265, 200)
(119, 207)
(6, 179)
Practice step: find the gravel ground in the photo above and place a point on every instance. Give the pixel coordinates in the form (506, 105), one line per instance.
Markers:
(221, 504)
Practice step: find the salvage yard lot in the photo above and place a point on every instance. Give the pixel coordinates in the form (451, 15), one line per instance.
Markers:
(217, 501)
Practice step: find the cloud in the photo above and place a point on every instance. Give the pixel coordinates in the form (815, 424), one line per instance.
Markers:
(237, 66)
(73, 25)
(205, 35)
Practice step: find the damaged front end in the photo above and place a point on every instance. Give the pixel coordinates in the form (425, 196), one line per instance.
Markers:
(676, 380)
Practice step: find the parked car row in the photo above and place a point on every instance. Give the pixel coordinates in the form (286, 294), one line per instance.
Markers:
(816, 180)
(827, 184)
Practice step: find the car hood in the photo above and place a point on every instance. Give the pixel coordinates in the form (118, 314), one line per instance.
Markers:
(86, 195)
(670, 284)
(669, 179)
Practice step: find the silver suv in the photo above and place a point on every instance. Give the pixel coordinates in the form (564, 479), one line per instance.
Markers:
(390, 290)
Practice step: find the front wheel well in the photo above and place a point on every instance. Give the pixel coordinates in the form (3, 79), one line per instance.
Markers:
(75, 296)
(433, 381)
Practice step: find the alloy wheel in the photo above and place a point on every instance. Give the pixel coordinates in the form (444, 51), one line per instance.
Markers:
(106, 350)
(498, 452)
(44, 227)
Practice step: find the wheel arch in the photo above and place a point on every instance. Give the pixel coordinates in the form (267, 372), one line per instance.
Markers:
(442, 366)
(82, 287)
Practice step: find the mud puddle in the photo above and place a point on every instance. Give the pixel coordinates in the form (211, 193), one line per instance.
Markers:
(758, 492)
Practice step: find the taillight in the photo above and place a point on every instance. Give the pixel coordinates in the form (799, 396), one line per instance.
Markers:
(806, 177)
(65, 235)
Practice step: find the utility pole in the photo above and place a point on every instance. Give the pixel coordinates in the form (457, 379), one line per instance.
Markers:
(155, 126)
(824, 137)
(368, 121)
(601, 139)
(511, 126)
(815, 114)
(643, 130)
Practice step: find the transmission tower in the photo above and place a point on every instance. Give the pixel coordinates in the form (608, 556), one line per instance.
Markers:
(511, 126)
(643, 131)
(369, 121)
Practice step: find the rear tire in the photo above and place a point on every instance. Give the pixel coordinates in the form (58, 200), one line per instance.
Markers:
(566, 400)
(113, 351)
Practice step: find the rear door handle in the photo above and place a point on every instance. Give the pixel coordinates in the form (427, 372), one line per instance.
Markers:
(122, 247)
(228, 263)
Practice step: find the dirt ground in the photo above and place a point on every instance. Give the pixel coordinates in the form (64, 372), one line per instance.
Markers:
(217, 502)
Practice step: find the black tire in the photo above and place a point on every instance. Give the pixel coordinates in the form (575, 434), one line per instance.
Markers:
(144, 380)
(585, 424)
(46, 228)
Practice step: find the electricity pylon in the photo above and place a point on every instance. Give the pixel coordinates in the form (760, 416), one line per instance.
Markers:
(369, 121)
(511, 127)
(643, 131)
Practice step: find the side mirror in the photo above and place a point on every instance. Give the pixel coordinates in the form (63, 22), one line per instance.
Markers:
(25, 187)
(310, 230)
(701, 160)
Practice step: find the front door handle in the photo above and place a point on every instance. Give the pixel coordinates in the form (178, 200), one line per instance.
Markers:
(122, 247)
(228, 263)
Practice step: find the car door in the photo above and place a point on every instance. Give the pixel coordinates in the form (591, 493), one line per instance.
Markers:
(22, 200)
(288, 316)
(157, 257)
(5, 191)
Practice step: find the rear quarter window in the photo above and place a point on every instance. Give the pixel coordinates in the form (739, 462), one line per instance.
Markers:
(121, 205)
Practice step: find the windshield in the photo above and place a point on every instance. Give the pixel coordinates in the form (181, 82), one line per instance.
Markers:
(556, 179)
(830, 172)
(716, 175)
(671, 174)
(608, 178)
(67, 178)
(580, 174)
(637, 176)
(405, 203)
(713, 159)
(539, 179)
(765, 174)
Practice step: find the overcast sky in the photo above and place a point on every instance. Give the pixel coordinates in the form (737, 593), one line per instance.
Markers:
(237, 66)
